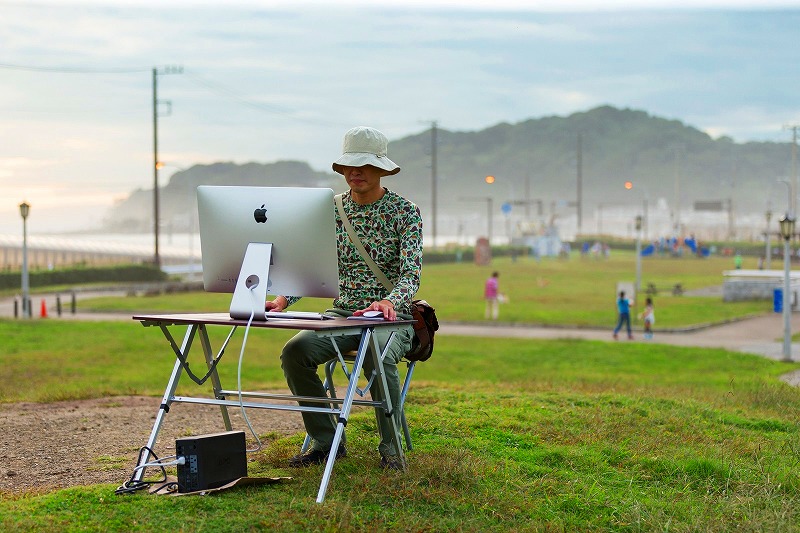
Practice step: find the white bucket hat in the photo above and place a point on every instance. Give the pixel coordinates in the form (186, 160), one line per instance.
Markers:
(365, 146)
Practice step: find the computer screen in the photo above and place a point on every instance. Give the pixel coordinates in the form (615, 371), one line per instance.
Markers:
(298, 222)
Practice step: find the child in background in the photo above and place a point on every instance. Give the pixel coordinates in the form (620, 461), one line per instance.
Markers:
(649, 317)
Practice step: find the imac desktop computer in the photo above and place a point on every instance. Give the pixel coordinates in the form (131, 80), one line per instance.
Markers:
(267, 240)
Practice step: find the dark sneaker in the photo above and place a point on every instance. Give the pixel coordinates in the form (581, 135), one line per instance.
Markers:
(392, 462)
(314, 457)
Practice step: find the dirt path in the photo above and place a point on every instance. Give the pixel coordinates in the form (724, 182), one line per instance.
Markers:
(63, 444)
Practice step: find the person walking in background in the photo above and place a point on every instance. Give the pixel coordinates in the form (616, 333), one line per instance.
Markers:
(491, 292)
(649, 317)
(624, 312)
(737, 261)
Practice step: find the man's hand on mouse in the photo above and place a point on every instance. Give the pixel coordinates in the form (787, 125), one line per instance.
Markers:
(383, 306)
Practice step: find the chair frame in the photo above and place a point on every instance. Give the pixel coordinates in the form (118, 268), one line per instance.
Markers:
(330, 388)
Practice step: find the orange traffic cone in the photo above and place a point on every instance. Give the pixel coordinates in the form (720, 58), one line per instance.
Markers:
(44, 309)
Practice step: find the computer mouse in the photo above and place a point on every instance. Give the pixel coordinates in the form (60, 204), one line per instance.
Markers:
(372, 314)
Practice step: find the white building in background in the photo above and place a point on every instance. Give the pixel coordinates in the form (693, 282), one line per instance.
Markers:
(610, 220)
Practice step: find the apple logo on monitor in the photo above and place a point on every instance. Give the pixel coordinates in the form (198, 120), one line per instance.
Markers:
(260, 214)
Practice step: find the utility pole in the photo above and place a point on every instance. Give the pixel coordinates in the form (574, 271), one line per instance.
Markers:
(527, 203)
(156, 256)
(676, 224)
(528, 199)
(156, 222)
(793, 127)
(488, 200)
(731, 232)
(433, 179)
(578, 201)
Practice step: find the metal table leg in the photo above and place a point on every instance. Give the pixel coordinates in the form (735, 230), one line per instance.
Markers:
(166, 400)
(344, 412)
(368, 347)
(209, 355)
(172, 384)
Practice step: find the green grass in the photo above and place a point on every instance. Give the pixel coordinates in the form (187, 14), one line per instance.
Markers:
(580, 292)
(509, 434)
(61, 360)
(583, 291)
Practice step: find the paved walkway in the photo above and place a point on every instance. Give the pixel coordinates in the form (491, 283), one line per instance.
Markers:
(761, 335)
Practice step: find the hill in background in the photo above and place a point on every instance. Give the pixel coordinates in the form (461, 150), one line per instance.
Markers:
(535, 161)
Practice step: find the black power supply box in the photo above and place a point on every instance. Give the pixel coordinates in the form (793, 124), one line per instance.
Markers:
(211, 460)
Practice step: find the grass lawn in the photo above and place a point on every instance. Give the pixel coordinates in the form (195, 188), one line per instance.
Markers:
(578, 292)
(509, 435)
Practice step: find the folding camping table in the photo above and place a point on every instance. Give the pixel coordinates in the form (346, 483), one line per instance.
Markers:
(196, 328)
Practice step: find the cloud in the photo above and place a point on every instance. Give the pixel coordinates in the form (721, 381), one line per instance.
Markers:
(477, 5)
(264, 81)
(758, 123)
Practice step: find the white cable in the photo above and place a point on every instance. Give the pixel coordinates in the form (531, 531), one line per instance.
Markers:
(179, 461)
(239, 372)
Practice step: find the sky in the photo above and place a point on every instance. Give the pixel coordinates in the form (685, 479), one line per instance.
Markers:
(263, 81)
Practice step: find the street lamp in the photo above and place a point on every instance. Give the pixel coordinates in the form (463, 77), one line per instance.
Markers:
(24, 209)
(638, 254)
(645, 202)
(488, 200)
(489, 180)
(787, 230)
(768, 251)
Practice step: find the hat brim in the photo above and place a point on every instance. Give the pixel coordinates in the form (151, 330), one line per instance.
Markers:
(360, 159)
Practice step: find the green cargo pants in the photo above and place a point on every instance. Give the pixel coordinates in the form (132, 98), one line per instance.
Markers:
(306, 351)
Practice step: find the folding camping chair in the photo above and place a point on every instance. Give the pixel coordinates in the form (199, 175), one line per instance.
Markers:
(330, 388)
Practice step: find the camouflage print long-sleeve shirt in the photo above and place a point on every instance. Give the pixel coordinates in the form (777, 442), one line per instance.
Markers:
(391, 231)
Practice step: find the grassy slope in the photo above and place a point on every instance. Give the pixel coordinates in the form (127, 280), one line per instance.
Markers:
(509, 434)
(576, 292)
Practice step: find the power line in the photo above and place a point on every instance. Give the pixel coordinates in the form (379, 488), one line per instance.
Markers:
(213, 87)
(229, 93)
(221, 90)
(210, 85)
(75, 70)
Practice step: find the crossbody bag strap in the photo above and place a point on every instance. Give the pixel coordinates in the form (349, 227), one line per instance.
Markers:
(360, 247)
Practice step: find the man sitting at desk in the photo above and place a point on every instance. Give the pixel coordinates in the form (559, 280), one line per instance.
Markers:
(390, 228)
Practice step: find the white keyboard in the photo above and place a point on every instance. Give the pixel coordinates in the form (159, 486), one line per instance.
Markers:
(304, 315)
